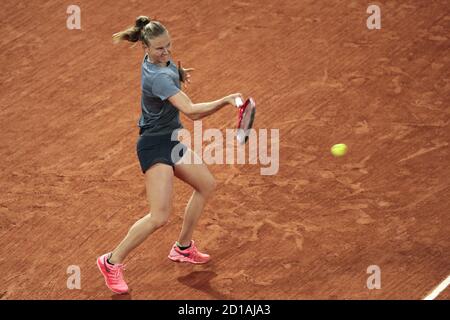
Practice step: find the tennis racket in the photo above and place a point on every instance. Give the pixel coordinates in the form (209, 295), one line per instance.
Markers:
(246, 116)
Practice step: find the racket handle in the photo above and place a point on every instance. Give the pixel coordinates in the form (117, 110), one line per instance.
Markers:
(239, 102)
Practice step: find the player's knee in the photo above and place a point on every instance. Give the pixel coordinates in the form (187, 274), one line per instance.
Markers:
(159, 222)
(209, 187)
(160, 216)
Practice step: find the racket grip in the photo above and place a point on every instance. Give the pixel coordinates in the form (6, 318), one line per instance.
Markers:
(239, 102)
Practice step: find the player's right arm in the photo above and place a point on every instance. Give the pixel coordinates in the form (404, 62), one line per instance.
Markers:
(197, 111)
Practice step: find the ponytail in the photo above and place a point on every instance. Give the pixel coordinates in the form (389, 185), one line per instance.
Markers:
(132, 34)
(143, 30)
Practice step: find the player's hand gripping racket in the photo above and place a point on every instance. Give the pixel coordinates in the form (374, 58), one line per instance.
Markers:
(184, 74)
(246, 116)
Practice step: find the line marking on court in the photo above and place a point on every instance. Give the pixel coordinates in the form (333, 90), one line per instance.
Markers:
(441, 287)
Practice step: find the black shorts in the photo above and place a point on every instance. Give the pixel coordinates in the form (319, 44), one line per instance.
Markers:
(158, 149)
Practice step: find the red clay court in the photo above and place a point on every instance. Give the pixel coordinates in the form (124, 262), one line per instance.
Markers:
(71, 185)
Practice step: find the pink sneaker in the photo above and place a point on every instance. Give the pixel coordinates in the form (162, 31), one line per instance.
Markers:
(191, 255)
(113, 274)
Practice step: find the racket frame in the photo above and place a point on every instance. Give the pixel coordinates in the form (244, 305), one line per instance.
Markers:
(248, 103)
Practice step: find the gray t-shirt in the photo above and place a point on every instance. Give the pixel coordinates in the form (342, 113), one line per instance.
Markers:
(159, 116)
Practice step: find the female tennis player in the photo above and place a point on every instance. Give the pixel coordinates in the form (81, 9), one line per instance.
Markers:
(161, 101)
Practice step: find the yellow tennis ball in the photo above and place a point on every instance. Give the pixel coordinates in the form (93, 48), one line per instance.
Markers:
(338, 150)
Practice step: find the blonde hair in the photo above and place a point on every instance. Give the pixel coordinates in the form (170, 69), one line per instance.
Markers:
(144, 30)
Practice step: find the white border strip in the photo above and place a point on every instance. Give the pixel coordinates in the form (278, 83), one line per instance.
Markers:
(441, 287)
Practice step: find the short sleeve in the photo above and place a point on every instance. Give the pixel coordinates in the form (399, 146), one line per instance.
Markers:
(164, 87)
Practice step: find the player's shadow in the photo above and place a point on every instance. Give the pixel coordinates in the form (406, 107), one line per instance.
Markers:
(126, 296)
(201, 280)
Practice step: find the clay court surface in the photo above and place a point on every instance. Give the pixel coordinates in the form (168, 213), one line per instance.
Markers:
(71, 185)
